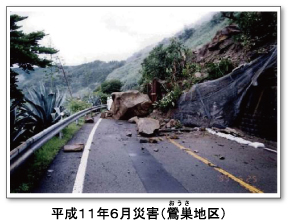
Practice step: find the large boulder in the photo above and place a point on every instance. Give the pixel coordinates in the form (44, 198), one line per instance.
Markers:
(147, 126)
(129, 104)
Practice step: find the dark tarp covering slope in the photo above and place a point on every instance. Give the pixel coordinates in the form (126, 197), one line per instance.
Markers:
(217, 102)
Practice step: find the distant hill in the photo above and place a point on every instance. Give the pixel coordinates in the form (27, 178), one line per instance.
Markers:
(193, 37)
(82, 78)
(86, 77)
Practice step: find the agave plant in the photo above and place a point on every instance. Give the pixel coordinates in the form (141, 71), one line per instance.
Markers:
(17, 126)
(44, 108)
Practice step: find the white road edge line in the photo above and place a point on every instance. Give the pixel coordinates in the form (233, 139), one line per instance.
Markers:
(79, 182)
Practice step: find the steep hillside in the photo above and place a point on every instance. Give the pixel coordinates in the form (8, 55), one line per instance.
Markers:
(193, 37)
(86, 77)
(129, 72)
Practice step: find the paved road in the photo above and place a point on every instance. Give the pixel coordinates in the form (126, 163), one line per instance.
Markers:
(198, 162)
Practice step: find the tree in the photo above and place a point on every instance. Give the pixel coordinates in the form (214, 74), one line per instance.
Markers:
(110, 86)
(164, 62)
(24, 52)
(260, 27)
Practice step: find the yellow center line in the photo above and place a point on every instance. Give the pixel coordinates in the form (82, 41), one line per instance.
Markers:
(236, 179)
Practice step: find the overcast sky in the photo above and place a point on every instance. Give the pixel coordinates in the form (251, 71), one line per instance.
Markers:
(103, 33)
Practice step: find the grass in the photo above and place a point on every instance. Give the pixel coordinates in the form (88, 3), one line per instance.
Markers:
(25, 179)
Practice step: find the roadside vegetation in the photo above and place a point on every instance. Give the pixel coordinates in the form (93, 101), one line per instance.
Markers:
(38, 86)
(41, 106)
(107, 88)
(27, 177)
(175, 67)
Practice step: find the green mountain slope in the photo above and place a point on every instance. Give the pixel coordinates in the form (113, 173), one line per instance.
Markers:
(86, 77)
(82, 78)
(193, 37)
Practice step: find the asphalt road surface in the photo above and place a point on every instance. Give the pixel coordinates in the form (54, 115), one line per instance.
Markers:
(197, 162)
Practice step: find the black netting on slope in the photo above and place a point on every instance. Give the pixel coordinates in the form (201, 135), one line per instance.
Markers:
(217, 102)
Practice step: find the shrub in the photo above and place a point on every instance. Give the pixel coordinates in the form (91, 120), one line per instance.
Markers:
(76, 105)
(169, 100)
(110, 86)
(217, 70)
(165, 63)
(103, 97)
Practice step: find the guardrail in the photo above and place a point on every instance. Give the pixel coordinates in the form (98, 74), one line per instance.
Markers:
(20, 154)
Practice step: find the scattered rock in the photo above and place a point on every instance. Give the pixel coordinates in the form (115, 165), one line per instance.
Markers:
(133, 120)
(156, 150)
(172, 123)
(162, 124)
(195, 151)
(103, 115)
(222, 158)
(129, 104)
(147, 126)
(106, 114)
(160, 139)
(129, 134)
(212, 165)
(49, 171)
(143, 140)
(89, 120)
(73, 148)
(173, 136)
(142, 148)
(153, 140)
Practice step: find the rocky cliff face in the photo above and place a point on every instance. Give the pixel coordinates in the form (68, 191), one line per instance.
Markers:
(225, 45)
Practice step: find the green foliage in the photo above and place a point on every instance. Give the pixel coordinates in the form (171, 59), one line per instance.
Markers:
(42, 109)
(15, 93)
(219, 69)
(106, 88)
(24, 51)
(190, 68)
(17, 126)
(110, 86)
(257, 27)
(75, 105)
(165, 62)
(169, 100)
(27, 178)
(186, 34)
(24, 48)
(82, 78)
(103, 97)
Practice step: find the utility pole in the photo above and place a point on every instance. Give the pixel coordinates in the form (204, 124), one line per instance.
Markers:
(65, 77)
